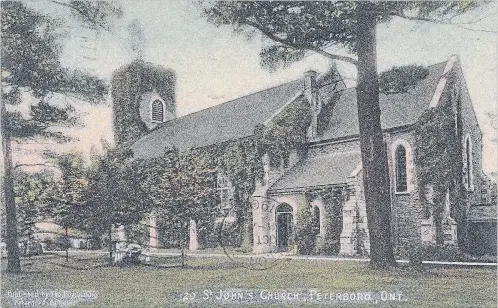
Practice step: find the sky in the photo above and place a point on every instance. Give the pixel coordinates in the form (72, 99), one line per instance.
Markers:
(214, 64)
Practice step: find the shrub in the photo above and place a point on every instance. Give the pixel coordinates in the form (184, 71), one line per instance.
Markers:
(333, 201)
(304, 237)
(228, 235)
(417, 253)
(483, 259)
(61, 242)
(138, 233)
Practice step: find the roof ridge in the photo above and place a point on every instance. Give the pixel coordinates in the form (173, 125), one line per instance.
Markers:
(256, 92)
(219, 105)
(354, 87)
(426, 66)
(431, 65)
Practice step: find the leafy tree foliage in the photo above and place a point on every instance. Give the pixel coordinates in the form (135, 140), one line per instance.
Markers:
(304, 234)
(298, 28)
(44, 195)
(69, 196)
(442, 154)
(114, 195)
(182, 187)
(33, 192)
(30, 50)
(94, 14)
(333, 200)
(401, 79)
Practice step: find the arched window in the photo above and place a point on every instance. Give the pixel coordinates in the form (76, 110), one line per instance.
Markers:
(401, 174)
(157, 112)
(316, 219)
(284, 208)
(469, 168)
(402, 166)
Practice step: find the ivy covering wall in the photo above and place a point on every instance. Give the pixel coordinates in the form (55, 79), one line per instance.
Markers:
(438, 158)
(286, 132)
(305, 233)
(128, 85)
(333, 201)
(307, 223)
(183, 184)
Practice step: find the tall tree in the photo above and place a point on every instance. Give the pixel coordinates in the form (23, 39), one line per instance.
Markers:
(300, 28)
(69, 198)
(114, 196)
(33, 191)
(30, 51)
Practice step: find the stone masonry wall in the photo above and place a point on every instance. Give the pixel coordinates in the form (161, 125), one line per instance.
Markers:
(407, 211)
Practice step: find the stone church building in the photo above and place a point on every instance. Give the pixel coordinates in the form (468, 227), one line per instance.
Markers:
(333, 152)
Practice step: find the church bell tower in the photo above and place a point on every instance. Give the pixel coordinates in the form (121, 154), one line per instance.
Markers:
(143, 97)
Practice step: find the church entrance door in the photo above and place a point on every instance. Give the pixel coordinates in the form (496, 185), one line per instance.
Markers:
(285, 226)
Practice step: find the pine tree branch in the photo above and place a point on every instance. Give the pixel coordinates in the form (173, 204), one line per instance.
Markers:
(82, 14)
(442, 22)
(301, 46)
(476, 30)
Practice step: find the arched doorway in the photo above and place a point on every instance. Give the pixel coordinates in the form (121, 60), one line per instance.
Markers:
(285, 226)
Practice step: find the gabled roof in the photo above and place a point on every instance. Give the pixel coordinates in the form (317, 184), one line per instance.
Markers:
(232, 120)
(396, 109)
(238, 118)
(320, 170)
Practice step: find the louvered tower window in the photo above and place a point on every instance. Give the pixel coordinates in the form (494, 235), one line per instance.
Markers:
(157, 111)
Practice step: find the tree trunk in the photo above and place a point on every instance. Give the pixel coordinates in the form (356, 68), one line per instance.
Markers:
(183, 257)
(110, 244)
(67, 244)
(13, 261)
(373, 148)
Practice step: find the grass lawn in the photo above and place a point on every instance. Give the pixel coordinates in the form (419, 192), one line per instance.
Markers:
(148, 286)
